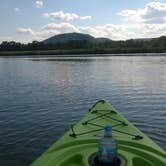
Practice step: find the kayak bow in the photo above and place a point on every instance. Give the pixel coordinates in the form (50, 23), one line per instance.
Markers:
(78, 146)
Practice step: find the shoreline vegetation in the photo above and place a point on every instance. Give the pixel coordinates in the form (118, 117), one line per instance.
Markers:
(81, 53)
(82, 44)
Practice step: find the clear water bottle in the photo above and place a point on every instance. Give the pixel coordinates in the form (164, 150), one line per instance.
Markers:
(107, 148)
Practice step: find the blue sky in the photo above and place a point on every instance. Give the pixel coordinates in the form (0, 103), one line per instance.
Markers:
(28, 20)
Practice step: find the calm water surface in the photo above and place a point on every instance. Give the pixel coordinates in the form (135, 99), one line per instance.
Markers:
(40, 98)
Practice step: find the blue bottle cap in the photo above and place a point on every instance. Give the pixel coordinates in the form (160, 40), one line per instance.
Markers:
(108, 128)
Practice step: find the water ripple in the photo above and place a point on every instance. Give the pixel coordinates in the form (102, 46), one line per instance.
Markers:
(39, 100)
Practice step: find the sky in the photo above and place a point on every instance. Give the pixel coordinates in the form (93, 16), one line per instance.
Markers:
(29, 20)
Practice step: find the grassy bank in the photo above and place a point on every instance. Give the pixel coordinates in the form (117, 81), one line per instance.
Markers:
(81, 51)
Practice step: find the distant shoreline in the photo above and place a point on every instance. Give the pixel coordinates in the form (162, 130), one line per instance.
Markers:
(85, 55)
(71, 44)
(77, 53)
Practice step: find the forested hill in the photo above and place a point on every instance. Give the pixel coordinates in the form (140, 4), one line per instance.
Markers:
(69, 37)
(84, 43)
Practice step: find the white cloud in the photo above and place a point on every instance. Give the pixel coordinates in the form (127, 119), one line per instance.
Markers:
(48, 30)
(25, 31)
(16, 9)
(39, 4)
(147, 22)
(53, 29)
(112, 31)
(60, 15)
(5, 38)
(153, 13)
(126, 31)
(62, 27)
(85, 17)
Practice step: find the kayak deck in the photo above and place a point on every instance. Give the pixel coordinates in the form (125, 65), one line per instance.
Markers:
(81, 141)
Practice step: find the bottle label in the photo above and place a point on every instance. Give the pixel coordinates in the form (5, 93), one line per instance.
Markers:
(107, 154)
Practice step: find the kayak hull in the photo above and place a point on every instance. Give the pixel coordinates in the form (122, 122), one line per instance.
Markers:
(77, 146)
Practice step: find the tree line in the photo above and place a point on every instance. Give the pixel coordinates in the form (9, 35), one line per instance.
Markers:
(128, 46)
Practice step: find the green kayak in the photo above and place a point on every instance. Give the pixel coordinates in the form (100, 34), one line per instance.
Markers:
(79, 146)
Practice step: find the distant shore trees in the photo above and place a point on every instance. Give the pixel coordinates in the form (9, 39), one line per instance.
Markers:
(128, 46)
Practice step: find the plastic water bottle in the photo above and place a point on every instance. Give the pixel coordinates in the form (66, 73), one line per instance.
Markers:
(107, 148)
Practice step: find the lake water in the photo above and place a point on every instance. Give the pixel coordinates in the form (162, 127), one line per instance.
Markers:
(40, 98)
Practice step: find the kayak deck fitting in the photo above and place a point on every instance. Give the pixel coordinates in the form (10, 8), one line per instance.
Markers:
(77, 146)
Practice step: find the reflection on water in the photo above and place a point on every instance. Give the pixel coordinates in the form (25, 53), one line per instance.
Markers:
(40, 98)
